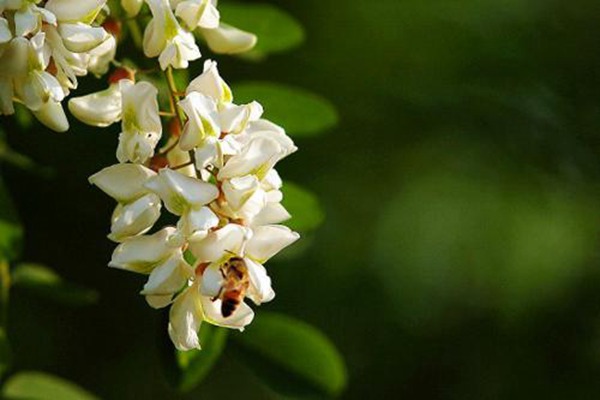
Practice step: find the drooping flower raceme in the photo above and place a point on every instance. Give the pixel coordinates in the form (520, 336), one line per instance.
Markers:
(44, 48)
(216, 178)
(205, 166)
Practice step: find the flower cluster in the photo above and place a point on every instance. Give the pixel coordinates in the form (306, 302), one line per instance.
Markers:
(215, 175)
(170, 39)
(44, 47)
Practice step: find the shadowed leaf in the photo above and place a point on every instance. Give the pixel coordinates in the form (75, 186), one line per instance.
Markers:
(291, 356)
(276, 30)
(41, 386)
(300, 112)
(47, 283)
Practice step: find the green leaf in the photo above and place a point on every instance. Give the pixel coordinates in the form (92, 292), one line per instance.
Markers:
(187, 369)
(291, 356)
(5, 353)
(307, 214)
(16, 159)
(277, 31)
(41, 386)
(23, 117)
(11, 231)
(300, 112)
(47, 283)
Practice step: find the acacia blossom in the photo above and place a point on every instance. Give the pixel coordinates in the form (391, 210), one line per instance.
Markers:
(206, 166)
(217, 178)
(44, 48)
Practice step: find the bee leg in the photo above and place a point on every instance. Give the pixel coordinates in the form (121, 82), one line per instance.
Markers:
(218, 295)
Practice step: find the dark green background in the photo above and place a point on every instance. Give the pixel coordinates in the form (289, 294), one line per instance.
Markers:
(459, 257)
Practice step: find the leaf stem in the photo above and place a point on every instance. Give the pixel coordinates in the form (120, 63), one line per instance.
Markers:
(136, 33)
(174, 99)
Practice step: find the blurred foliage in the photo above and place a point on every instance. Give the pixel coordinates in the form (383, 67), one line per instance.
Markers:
(301, 202)
(291, 356)
(302, 113)
(276, 30)
(11, 232)
(473, 236)
(187, 369)
(41, 386)
(459, 258)
(43, 281)
(5, 353)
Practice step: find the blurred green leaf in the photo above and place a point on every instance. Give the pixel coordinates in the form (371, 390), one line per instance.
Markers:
(300, 112)
(16, 159)
(291, 356)
(42, 386)
(11, 231)
(187, 369)
(5, 353)
(45, 282)
(276, 30)
(465, 234)
(23, 117)
(307, 214)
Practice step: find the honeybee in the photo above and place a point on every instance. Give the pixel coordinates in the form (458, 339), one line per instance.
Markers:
(236, 283)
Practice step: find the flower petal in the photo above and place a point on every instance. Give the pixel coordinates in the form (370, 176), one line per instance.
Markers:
(220, 244)
(269, 240)
(260, 290)
(241, 317)
(143, 253)
(181, 193)
(273, 213)
(227, 39)
(80, 38)
(210, 83)
(135, 218)
(132, 7)
(123, 182)
(53, 116)
(185, 318)
(75, 11)
(167, 279)
(98, 109)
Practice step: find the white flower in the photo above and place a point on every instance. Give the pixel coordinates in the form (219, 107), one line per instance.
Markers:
(52, 115)
(226, 39)
(210, 84)
(141, 124)
(197, 13)
(245, 198)
(203, 119)
(164, 37)
(132, 7)
(181, 193)
(135, 218)
(185, 318)
(236, 118)
(256, 246)
(98, 109)
(138, 209)
(5, 33)
(80, 38)
(68, 65)
(261, 152)
(123, 182)
(75, 11)
(166, 280)
(101, 56)
(144, 253)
